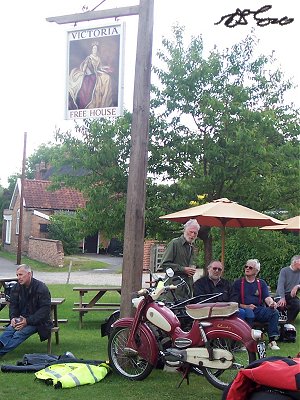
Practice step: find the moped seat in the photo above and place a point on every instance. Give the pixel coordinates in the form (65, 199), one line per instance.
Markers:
(211, 310)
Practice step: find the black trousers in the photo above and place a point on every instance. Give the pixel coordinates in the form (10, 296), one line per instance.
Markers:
(293, 307)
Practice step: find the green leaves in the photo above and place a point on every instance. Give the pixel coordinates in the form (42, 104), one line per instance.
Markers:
(221, 124)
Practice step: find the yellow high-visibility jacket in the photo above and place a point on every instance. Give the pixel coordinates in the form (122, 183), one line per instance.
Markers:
(69, 375)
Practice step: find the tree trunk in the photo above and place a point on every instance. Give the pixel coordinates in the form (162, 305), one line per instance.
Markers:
(204, 235)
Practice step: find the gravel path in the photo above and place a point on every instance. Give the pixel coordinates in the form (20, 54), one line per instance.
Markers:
(110, 276)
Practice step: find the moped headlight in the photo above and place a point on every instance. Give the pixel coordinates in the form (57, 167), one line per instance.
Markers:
(257, 334)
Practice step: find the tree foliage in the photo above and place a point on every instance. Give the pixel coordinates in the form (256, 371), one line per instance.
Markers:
(67, 228)
(273, 249)
(99, 149)
(222, 127)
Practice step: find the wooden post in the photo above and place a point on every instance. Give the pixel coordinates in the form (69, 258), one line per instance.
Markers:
(136, 190)
(69, 271)
(20, 237)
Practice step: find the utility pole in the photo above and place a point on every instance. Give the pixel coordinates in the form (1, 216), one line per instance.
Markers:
(20, 237)
(136, 190)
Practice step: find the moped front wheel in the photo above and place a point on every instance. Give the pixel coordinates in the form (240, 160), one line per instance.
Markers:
(220, 378)
(124, 361)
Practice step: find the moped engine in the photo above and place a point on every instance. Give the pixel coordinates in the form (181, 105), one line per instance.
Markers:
(221, 359)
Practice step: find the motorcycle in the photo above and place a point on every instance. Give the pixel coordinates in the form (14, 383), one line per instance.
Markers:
(213, 347)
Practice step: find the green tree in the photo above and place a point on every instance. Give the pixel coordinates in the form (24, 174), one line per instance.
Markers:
(67, 228)
(222, 126)
(241, 139)
(46, 153)
(100, 149)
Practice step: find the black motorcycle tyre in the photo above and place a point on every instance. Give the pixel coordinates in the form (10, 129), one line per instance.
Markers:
(220, 378)
(132, 367)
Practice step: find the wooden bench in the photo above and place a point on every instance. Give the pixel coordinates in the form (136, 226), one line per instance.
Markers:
(86, 309)
(7, 321)
(101, 305)
(54, 330)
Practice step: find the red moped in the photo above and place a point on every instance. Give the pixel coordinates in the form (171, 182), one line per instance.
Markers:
(217, 345)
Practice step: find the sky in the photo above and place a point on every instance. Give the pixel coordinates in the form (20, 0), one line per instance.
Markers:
(34, 68)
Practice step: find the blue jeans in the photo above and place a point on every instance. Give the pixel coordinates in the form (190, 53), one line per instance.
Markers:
(262, 314)
(12, 338)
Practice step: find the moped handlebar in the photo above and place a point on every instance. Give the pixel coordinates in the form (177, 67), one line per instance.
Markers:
(161, 288)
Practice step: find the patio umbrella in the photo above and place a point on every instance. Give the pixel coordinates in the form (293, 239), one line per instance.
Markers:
(223, 213)
(291, 224)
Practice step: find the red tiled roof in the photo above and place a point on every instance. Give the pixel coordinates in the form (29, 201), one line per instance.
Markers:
(36, 195)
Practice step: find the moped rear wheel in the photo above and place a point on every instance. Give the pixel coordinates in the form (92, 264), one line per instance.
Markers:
(125, 362)
(220, 378)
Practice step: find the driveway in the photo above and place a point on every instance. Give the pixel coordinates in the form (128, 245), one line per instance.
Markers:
(110, 276)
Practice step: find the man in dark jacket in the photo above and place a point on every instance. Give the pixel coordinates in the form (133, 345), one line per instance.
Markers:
(213, 284)
(179, 256)
(29, 311)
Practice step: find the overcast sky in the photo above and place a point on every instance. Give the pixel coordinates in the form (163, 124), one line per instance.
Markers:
(33, 67)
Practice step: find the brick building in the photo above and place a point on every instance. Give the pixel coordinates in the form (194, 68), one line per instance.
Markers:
(39, 203)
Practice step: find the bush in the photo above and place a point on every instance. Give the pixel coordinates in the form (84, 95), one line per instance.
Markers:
(65, 227)
(274, 250)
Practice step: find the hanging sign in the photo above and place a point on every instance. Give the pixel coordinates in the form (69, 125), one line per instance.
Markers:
(95, 72)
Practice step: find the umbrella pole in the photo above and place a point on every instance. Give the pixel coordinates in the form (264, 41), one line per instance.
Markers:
(223, 245)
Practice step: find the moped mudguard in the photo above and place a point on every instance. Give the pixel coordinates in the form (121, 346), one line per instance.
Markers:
(147, 346)
(233, 328)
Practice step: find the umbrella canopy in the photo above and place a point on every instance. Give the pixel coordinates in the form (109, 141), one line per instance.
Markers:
(223, 213)
(291, 224)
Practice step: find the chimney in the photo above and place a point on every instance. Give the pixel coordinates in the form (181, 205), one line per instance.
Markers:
(40, 170)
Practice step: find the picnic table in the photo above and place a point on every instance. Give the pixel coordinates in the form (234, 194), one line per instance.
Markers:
(93, 304)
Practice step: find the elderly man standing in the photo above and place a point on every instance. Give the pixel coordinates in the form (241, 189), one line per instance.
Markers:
(214, 283)
(253, 296)
(287, 287)
(29, 311)
(179, 255)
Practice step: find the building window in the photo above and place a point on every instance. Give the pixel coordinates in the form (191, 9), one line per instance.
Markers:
(8, 231)
(18, 222)
(44, 228)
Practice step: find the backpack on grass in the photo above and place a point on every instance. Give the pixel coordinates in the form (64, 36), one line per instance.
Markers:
(276, 378)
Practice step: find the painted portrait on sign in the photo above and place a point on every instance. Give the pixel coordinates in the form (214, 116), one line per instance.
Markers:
(94, 73)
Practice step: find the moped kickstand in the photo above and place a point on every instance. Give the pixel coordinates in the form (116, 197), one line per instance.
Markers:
(184, 370)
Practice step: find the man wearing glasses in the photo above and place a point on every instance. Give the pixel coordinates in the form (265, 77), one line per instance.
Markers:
(253, 297)
(213, 284)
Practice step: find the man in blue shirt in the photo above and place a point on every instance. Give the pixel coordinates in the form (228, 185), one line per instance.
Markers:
(253, 297)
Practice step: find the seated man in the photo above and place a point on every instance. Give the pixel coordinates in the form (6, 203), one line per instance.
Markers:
(253, 296)
(214, 283)
(287, 287)
(29, 311)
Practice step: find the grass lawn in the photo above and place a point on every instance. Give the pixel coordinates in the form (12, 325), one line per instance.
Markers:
(87, 343)
(79, 263)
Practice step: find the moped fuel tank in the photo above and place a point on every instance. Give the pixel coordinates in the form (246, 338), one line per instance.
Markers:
(162, 317)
